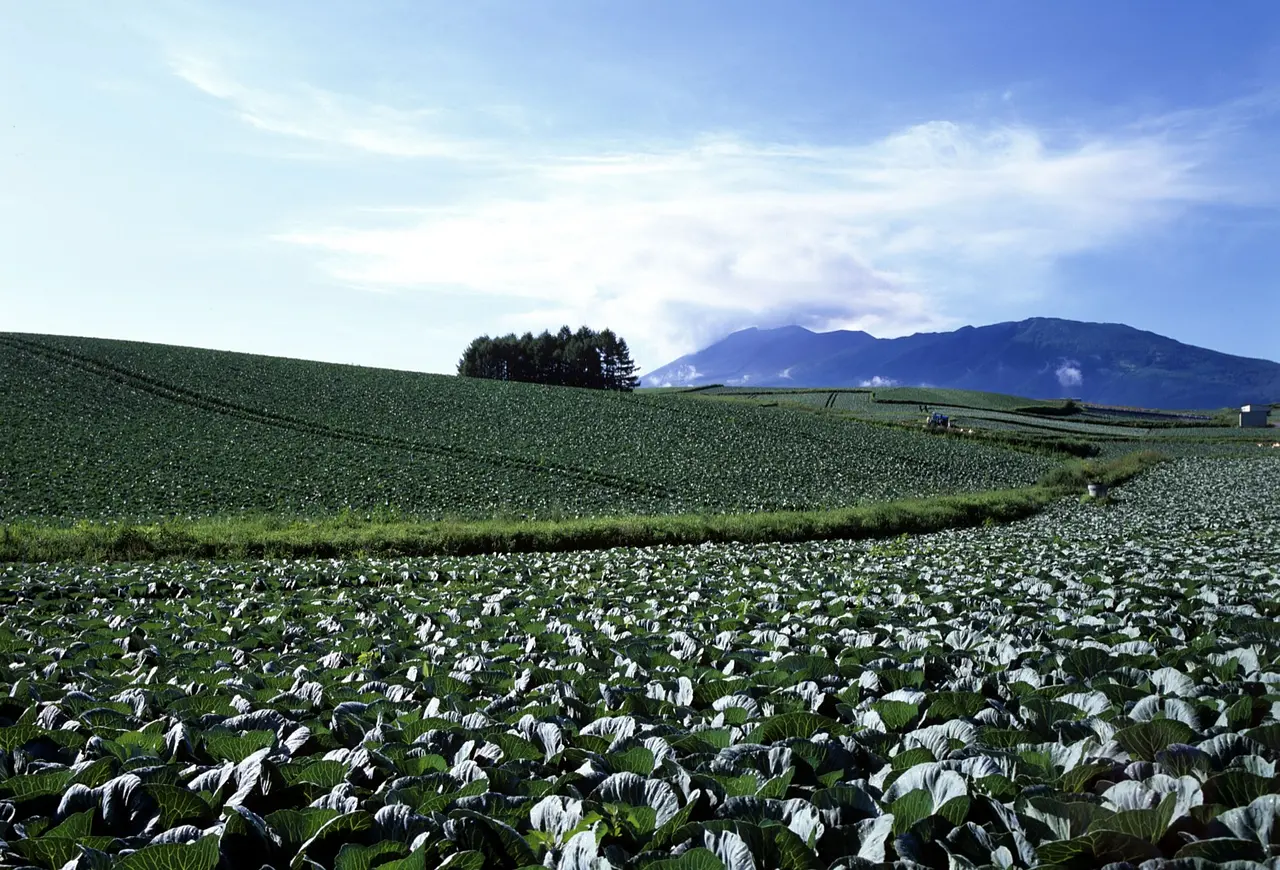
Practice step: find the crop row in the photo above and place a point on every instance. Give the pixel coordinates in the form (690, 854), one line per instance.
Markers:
(97, 428)
(1012, 413)
(1092, 685)
(267, 417)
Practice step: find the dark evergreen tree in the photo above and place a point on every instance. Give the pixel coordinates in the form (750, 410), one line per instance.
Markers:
(586, 358)
(623, 368)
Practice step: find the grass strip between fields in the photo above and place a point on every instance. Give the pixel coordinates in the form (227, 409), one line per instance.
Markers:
(251, 537)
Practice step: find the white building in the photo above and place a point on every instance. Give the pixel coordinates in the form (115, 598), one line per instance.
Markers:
(1254, 416)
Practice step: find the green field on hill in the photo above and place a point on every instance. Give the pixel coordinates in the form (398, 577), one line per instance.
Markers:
(94, 429)
(1038, 420)
(1084, 688)
(848, 397)
(312, 673)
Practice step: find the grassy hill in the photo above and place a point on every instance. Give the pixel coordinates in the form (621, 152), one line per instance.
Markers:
(106, 429)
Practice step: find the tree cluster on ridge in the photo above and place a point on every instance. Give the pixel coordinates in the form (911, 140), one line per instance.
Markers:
(586, 358)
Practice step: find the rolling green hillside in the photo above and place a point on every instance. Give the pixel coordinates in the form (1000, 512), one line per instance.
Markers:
(94, 428)
(845, 399)
(987, 412)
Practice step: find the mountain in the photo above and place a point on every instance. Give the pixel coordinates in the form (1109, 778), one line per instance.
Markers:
(1043, 357)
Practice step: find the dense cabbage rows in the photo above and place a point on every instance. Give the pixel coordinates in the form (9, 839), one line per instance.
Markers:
(858, 397)
(837, 400)
(1095, 685)
(93, 429)
(961, 398)
(969, 409)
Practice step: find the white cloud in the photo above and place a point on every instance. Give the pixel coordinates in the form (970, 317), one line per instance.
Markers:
(1069, 374)
(325, 117)
(680, 376)
(674, 244)
(877, 381)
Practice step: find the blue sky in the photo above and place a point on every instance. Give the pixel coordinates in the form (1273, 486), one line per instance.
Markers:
(379, 182)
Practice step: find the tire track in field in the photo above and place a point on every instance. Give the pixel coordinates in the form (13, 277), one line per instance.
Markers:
(181, 395)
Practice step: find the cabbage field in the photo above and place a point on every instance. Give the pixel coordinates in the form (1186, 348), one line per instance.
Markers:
(1097, 685)
(97, 429)
(996, 412)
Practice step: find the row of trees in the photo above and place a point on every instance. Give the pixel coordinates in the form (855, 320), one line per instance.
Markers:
(586, 358)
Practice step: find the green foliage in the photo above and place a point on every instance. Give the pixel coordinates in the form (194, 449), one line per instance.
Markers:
(201, 855)
(239, 538)
(1058, 427)
(1077, 688)
(967, 399)
(586, 358)
(1075, 476)
(140, 433)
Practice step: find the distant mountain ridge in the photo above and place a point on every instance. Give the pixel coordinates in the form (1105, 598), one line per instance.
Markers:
(1042, 357)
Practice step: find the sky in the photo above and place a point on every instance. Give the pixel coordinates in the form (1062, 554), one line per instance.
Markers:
(380, 182)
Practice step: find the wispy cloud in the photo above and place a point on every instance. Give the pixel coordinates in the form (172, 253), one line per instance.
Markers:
(325, 117)
(674, 242)
(680, 243)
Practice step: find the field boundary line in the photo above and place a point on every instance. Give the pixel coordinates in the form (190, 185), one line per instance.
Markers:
(181, 395)
(238, 538)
